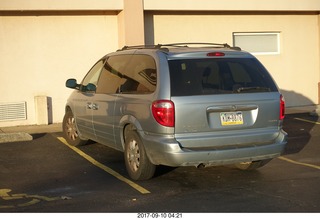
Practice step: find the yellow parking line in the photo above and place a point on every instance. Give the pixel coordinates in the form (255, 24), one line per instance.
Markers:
(299, 163)
(305, 120)
(105, 168)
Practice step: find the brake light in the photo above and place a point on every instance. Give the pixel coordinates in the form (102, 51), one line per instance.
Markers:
(282, 108)
(215, 54)
(163, 112)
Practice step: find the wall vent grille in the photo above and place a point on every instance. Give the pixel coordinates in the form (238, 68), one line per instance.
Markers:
(13, 111)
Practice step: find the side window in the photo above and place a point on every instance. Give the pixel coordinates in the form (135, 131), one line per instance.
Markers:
(128, 74)
(92, 76)
(112, 73)
(140, 76)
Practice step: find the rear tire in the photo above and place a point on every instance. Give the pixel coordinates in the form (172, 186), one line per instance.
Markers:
(252, 165)
(137, 162)
(70, 131)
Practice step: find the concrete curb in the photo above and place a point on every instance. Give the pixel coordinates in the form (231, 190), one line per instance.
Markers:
(24, 133)
(14, 137)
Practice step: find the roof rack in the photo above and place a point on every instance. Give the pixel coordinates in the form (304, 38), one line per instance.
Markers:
(164, 46)
(141, 47)
(224, 45)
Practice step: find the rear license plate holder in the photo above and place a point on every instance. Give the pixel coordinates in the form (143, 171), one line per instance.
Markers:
(231, 118)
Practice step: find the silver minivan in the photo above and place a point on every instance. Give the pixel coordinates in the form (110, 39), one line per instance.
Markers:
(179, 105)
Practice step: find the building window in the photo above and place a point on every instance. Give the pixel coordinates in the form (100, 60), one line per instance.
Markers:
(258, 43)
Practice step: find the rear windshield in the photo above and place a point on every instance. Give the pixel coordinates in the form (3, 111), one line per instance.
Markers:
(218, 76)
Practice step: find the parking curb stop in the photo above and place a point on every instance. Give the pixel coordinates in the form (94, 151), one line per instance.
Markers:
(14, 137)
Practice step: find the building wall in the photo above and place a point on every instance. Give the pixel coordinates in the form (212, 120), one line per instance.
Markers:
(231, 5)
(38, 54)
(295, 69)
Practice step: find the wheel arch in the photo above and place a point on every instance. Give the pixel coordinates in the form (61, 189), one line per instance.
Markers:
(128, 123)
(67, 108)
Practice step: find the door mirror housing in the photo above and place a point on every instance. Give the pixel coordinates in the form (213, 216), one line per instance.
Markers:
(91, 87)
(72, 83)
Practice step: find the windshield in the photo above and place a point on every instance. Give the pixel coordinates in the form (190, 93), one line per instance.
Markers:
(218, 76)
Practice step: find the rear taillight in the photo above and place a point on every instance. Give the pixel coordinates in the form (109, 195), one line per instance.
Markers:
(163, 112)
(282, 108)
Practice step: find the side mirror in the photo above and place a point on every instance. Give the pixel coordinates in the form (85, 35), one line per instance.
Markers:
(72, 83)
(91, 87)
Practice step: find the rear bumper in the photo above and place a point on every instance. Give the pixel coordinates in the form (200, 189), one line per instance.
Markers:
(165, 150)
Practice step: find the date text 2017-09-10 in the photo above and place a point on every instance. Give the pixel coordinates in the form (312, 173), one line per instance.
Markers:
(159, 215)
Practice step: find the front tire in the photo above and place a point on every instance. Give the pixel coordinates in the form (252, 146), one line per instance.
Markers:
(137, 162)
(70, 130)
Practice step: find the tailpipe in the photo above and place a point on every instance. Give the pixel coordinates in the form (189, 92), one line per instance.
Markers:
(200, 166)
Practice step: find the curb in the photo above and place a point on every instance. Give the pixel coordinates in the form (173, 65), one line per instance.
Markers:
(15, 137)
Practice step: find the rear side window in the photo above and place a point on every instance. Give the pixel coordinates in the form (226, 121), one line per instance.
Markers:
(218, 76)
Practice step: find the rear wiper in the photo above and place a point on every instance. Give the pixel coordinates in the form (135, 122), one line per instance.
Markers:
(244, 89)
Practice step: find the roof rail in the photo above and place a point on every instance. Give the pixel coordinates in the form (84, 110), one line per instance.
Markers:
(141, 47)
(225, 45)
(164, 46)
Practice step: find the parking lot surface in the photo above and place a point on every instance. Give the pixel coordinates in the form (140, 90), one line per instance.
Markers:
(47, 175)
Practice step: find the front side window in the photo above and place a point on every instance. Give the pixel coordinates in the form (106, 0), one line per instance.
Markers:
(218, 76)
(92, 76)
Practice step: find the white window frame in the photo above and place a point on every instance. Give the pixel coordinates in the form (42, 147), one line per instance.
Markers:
(277, 34)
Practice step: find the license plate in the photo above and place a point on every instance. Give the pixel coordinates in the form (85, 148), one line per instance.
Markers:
(231, 118)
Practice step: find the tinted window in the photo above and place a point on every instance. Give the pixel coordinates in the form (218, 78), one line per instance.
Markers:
(128, 74)
(218, 76)
(111, 75)
(140, 76)
(92, 76)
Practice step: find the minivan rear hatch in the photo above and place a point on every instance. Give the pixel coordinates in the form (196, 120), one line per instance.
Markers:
(223, 101)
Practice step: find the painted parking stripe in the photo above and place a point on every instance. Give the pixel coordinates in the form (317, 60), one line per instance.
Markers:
(105, 168)
(305, 120)
(299, 163)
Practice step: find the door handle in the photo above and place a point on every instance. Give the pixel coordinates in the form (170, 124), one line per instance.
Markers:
(95, 106)
(92, 106)
(89, 105)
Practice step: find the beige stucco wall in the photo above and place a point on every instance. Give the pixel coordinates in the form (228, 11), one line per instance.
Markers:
(61, 5)
(38, 54)
(295, 69)
(131, 23)
(233, 5)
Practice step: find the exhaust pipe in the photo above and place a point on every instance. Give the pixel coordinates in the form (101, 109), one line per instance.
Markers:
(200, 166)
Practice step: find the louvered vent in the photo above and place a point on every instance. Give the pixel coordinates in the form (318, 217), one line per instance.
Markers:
(13, 111)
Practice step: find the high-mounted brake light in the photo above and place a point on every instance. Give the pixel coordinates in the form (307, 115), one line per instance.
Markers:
(163, 112)
(282, 108)
(215, 54)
